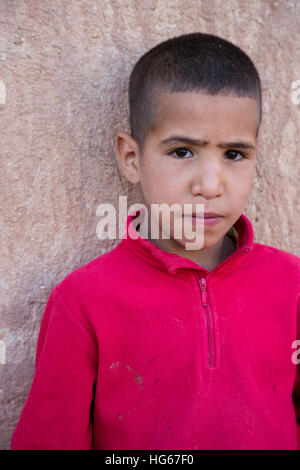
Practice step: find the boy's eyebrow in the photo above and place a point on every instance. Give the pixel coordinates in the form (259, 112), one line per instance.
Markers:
(202, 143)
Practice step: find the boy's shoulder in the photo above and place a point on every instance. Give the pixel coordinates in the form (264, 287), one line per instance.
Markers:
(95, 275)
(281, 258)
(111, 268)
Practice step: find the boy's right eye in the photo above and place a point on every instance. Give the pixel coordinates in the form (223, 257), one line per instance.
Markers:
(180, 152)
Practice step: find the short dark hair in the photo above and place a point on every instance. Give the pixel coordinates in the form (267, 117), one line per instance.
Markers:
(190, 62)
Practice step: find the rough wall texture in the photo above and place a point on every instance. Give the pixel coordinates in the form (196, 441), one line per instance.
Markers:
(64, 67)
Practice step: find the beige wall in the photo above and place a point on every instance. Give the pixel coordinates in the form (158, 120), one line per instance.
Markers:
(64, 67)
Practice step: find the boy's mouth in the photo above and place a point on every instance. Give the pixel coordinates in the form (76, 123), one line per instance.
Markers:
(207, 215)
(208, 219)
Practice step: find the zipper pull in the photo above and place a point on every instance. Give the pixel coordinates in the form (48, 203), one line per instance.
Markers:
(203, 292)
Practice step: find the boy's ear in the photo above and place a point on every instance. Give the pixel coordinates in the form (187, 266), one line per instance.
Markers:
(127, 151)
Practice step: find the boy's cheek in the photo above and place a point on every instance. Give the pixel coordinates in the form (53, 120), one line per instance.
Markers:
(242, 186)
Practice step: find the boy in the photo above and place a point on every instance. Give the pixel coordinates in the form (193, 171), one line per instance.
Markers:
(151, 345)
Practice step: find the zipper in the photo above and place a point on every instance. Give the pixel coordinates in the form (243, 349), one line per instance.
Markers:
(209, 322)
(207, 306)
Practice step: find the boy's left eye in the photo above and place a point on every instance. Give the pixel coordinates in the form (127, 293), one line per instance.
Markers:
(234, 153)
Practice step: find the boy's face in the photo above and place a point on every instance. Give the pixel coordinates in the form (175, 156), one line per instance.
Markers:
(217, 171)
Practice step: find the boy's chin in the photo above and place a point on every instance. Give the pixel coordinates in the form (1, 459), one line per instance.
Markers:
(190, 244)
(200, 241)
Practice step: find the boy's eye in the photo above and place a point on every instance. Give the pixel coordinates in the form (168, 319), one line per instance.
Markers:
(233, 153)
(181, 152)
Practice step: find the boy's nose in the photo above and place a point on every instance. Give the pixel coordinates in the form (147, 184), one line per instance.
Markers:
(208, 179)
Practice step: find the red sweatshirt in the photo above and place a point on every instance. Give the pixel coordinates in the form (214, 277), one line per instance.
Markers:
(144, 349)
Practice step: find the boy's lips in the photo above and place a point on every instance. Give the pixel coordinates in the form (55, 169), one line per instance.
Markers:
(207, 215)
(207, 218)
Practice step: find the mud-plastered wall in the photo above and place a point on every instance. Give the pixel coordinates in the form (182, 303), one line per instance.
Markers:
(64, 68)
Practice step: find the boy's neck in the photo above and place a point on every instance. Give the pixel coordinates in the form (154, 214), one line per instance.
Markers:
(208, 258)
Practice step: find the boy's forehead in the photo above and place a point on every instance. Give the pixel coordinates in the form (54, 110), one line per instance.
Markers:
(188, 100)
(199, 110)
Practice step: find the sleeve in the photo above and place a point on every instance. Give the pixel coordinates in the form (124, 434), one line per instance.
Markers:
(58, 411)
(296, 391)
